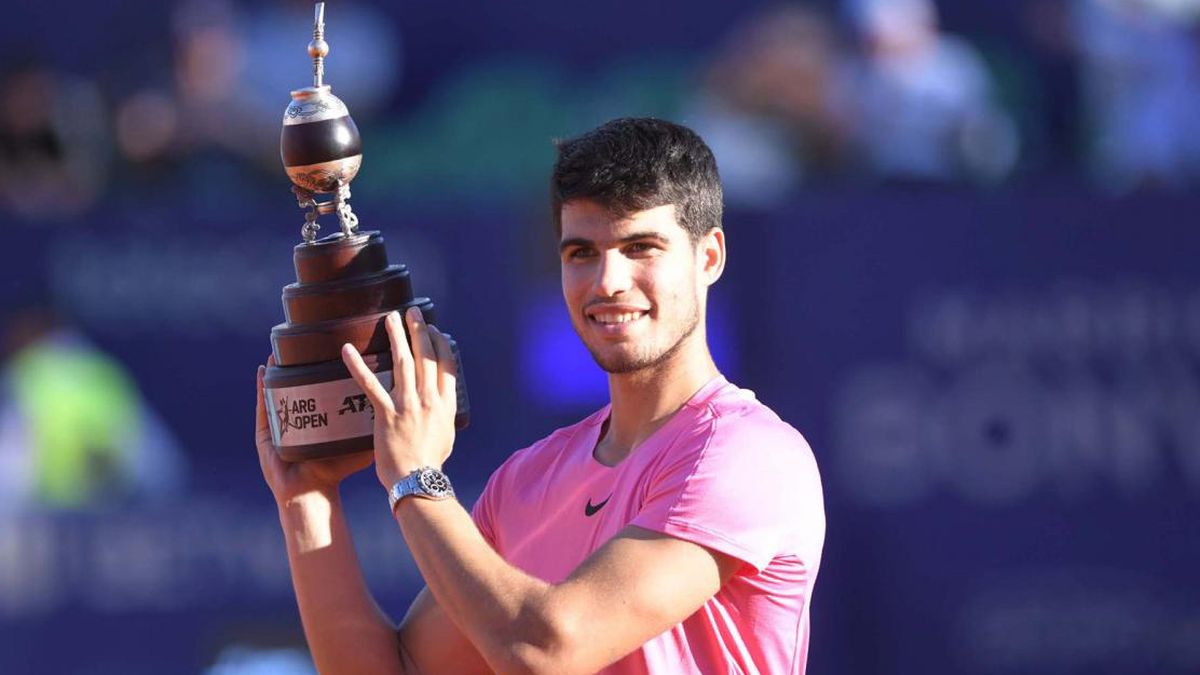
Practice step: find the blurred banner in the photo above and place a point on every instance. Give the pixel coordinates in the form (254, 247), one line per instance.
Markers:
(1002, 390)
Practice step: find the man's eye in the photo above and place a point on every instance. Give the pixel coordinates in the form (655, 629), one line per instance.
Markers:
(578, 253)
(640, 247)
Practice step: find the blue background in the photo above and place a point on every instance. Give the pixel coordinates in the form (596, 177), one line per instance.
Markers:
(1000, 385)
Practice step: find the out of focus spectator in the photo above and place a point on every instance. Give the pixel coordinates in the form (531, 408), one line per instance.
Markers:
(1141, 82)
(771, 104)
(197, 119)
(53, 143)
(221, 111)
(924, 99)
(74, 431)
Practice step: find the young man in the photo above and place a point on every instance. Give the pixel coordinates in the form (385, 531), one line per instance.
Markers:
(677, 530)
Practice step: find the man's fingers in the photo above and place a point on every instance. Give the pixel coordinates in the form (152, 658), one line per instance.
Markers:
(424, 355)
(263, 441)
(260, 408)
(404, 385)
(447, 366)
(366, 379)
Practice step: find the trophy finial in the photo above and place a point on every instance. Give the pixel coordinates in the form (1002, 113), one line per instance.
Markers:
(320, 145)
(318, 49)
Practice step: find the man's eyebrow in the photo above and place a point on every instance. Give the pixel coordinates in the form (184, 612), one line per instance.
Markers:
(573, 241)
(636, 236)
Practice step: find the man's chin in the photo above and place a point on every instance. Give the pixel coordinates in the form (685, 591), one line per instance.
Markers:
(617, 363)
(621, 367)
(626, 363)
(621, 360)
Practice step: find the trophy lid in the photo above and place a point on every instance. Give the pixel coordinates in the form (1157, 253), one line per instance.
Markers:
(313, 104)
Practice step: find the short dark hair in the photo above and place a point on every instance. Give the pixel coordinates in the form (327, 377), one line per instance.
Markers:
(636, 163)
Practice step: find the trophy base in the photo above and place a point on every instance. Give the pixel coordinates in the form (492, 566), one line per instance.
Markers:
(318, 410)
(343, 293)
(304, 453)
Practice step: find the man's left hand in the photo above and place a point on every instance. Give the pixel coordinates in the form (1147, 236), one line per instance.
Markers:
(414, 423)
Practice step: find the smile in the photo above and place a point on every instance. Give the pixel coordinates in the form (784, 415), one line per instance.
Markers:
(615, 318)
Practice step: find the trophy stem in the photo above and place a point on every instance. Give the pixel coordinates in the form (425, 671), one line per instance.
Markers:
(308, 200)
(340, 204)
(318, 49)
(346, 217)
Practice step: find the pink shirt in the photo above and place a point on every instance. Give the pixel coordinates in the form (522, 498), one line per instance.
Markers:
(725, 473)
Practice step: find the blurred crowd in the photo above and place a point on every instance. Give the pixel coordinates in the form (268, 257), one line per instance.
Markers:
(881, 91)
(858, 91)
(199, 115)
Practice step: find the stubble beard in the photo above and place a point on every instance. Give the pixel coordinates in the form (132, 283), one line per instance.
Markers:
(623, 364)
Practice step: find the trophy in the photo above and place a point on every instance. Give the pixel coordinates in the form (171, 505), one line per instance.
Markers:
(344, 287)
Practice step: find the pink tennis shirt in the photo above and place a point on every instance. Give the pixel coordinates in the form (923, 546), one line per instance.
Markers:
(725, 473)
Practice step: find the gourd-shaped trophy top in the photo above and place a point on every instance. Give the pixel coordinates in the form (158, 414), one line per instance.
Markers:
(320, 145)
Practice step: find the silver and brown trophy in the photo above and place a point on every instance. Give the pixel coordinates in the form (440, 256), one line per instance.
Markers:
(344, 287)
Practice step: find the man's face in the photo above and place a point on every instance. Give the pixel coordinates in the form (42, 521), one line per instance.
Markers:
(634, 286)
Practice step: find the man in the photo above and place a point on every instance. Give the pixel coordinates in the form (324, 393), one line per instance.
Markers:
(677, 530)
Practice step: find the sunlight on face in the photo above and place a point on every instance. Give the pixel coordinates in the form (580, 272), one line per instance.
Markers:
(632, 285)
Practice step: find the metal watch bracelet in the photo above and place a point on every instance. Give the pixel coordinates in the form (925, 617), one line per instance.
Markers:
(426, 482)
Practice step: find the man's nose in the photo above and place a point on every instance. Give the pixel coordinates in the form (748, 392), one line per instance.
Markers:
(613, 275)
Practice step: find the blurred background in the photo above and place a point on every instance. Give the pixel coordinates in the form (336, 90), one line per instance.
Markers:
(963, 262)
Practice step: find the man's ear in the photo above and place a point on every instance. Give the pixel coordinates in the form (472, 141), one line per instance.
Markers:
(711, 253)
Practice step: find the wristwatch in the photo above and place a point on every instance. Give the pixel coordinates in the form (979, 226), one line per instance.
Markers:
(425, 482)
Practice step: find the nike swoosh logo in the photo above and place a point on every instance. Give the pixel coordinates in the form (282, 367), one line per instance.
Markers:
(590, 510)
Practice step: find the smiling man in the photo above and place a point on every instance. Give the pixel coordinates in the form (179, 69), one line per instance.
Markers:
(678, 529)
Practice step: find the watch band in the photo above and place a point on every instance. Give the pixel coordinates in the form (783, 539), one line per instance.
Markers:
(426, 482)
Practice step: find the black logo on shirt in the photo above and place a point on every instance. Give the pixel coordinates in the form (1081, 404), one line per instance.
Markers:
(590, 510)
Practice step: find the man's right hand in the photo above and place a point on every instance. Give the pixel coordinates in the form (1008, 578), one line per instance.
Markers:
(346, 630)
(292, 480)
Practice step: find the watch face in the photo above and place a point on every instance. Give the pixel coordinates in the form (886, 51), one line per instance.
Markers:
(434, 482)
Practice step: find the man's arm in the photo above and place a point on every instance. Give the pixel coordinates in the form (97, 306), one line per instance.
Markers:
(634, 587)
(345, 629)
(487, 614)
(431, 644)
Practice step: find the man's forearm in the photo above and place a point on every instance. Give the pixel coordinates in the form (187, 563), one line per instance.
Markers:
(345, 629)
(502, 610)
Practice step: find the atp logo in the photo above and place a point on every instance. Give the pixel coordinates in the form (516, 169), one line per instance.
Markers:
(356, 404)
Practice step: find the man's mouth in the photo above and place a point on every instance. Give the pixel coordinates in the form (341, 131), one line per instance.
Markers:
(615, 318)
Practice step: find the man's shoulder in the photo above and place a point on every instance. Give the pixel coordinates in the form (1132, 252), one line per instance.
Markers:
(735, 432)
(738, 413)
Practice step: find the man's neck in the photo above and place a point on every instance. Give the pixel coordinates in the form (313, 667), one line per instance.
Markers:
(643, 401)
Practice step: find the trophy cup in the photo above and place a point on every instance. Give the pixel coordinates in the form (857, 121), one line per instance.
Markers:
(344, 287)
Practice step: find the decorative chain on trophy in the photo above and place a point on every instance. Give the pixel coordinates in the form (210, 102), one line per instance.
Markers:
(340, 204)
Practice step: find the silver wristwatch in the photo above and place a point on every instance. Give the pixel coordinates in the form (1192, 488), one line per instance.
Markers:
(425, 482)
